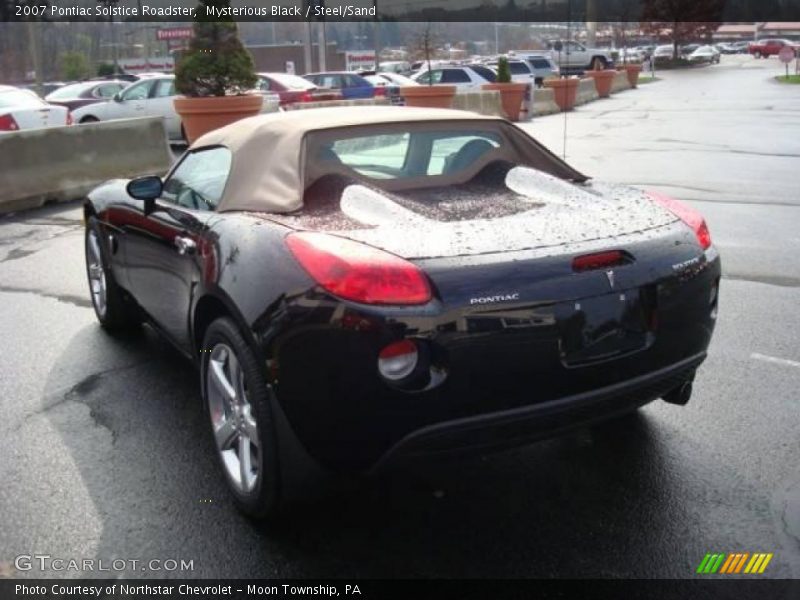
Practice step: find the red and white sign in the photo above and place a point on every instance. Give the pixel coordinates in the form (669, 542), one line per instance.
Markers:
(146, 65)
(174, 33)
(360, 60)
(786, 55)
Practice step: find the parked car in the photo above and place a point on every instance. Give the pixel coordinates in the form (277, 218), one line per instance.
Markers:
(741, 47)
(572, 56)
(347, 310)
(541, 64)
(521, 71)
(23, 109)
(663, 53)
(630, 55)
(687, 49)
(151, 96)
(726, 48)
(80, 94)
(350, 85)
(292, 89)
(463, 77)
(704, 54)
(392, 78)
(400, 67)
(769, 47)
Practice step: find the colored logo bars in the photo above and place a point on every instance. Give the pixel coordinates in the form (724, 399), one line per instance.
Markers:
(732, 564)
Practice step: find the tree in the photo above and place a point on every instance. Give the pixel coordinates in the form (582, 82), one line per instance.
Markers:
(424, 46)
(74, 65)
(682, 20)
(217, 63)
(503, 70)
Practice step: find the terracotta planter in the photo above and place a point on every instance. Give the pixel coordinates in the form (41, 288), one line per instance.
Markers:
(632, 71)
(511, 96)
(429, 96)
(602, 81)
(564, 92)
(201, 115)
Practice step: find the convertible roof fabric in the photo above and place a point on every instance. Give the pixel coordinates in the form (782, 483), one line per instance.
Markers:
(268, 151)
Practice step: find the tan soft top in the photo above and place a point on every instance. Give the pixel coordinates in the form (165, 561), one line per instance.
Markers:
(267, 170)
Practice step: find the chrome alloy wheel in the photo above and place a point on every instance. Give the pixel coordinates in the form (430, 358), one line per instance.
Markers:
(232, 419)
(97, 274)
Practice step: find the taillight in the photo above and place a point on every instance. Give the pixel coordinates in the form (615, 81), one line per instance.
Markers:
(380, 92)
(7, 123)
(358, 272)
(599, 260)
(686, 214)
(306, 97)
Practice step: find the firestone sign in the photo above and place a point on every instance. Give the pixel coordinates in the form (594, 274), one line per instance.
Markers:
(360, 60)
(174, 33)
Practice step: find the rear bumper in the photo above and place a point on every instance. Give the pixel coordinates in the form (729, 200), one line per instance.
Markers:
(509, 428)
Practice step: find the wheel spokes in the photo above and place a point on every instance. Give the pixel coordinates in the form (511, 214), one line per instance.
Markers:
(226, 434)
(220, 380)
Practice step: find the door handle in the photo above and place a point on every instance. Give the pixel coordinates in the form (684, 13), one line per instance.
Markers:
(185, 245)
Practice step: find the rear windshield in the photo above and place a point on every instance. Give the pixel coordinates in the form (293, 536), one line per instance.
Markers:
(19, 98)
(539, 63)
(408, 154)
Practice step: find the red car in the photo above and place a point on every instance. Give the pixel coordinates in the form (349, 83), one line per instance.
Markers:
(83, 93)
(292, 89)
(769, 47)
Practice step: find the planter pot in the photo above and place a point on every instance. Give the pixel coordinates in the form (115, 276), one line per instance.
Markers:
(201, 115)
(430, 96)
(633, 73)
(602, 81)
(511, 96)
(564, 91)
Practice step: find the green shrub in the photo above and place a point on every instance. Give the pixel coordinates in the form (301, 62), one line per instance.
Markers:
(217, 63)
(503, 70)
(74, 65)
(105, 70)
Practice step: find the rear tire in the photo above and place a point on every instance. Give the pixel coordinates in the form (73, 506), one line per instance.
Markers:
(757, 54)
(113, 309)
(597, 64)
(236, 398)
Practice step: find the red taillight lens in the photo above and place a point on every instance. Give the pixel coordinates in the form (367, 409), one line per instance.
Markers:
(599, 260)
(358, 272)
(306, 97)
(380, 92)
(686, 214)
(7, 123)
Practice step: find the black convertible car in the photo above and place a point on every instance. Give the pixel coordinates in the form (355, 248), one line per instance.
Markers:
(361, 287)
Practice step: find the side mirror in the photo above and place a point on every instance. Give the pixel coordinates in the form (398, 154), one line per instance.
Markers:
(117, 97)
(558, 46)
(145, 188)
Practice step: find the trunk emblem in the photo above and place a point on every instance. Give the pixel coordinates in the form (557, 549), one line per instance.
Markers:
(610, 276)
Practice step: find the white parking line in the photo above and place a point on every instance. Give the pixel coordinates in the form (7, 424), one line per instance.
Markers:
(778, 361)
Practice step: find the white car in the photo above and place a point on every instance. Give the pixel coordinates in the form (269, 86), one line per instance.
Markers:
(464, 77)
(390, 78)
(704, 54)
(22, 109)
(521, 71)
(570, 55)
(149, 97)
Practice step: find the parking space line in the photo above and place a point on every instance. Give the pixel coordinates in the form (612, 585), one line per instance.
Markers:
(778, 361)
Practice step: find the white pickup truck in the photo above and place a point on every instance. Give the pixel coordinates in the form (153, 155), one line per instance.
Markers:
(572, 56)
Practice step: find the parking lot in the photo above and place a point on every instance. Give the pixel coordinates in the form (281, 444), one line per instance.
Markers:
(106, 453)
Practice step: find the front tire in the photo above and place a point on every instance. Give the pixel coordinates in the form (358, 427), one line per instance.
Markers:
(113, 310)
(236, 397)
(597, 64)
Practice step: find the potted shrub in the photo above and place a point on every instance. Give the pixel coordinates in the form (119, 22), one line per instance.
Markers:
(565, 91)
(511, 94)
(632, 71)
(215, 76)
(603, 78)
(430, 95)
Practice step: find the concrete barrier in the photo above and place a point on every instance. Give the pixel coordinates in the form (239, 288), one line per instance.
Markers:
(484, 102)
(587, 91)
(64, 163)
(543, 102)
(620, 82)
(333, 103)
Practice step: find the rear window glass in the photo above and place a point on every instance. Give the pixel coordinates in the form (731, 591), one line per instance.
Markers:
(70, 91)
(519, 68)
(406, 154)
(540, 63)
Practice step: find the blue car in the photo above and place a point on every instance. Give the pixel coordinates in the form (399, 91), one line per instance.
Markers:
(351, 85)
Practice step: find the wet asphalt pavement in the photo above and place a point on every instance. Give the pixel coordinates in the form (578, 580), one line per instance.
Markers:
(105, 452)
